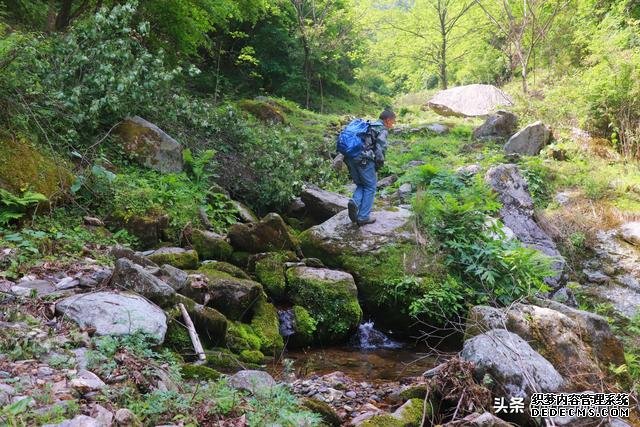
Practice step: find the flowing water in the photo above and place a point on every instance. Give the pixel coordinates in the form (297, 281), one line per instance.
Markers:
(369, 356)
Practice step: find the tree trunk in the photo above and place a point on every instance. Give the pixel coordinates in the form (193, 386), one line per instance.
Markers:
(442, 15)
(64, 16)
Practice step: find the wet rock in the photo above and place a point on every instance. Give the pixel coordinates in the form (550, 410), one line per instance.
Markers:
(330, 296)
(149, 145)
(26, 288)
(322, 204)
(630, 232)
(177, 257)
(486, 419)
(110, 313)
(252, 381)
(517, 213)
(468, 101)
(500, 125)
(517, 369)
(268, 235)
(210, 245)
(529, 140)
(127, 275)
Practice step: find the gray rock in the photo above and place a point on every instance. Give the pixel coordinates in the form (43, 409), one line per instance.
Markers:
(596, 276)
(630, 232)
(469, 170)
(500, 125)
(338, 233)
(174, 277)
(322, 204)
(178, 257)
(438, 128)
(474, 100)
(127, 275)
(149, 145)
(529, 140)
(67, 283)
(125, 418)
(414, 163)
(338, 162)
(252, 381)
(405, 190)
(517, 213)
(297, 208)
(486, 419)
(139, 258)
(517, 369)
(86, 382)
(27, 287)
(103, 415)
(110, 313)
(387, 181)
(482, 318)
(78, 421)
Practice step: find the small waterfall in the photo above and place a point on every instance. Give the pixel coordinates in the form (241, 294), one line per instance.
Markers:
(287, 322)
(369, 338)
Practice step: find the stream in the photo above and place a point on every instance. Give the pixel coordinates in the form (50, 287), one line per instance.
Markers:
(370, 356)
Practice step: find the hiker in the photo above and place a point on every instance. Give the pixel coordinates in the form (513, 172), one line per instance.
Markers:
(364, 165)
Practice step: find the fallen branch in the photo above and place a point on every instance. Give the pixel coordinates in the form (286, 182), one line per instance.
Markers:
(195, 340)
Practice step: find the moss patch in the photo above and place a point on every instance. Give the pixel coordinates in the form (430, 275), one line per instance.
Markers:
(328, 414)
(268, 112)
(220, 266)
(210, 246)
(266, 326)
(332, 303)
(186, 260)
(241, 336)
(270, 272)
(408, 415)
(199, 372)
(24, 167)
(251, 356)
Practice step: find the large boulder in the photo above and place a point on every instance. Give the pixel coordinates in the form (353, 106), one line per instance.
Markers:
(330, 296)
(236, 298)
(517, 369)
(23, 166)
(266, 325)
(269, 234)
(252, 381)
(131, 276)
(377, 255)
(209, 322)
(529, 140)
(149, 145)
(469, 101)
(581, 350)
(630, 232)
(500, 125)
(177, 257)
(517, 213)
(148, 229)
(322, 204)
(111, 313)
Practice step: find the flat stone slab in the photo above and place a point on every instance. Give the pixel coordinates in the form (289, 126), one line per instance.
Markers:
(474, 100)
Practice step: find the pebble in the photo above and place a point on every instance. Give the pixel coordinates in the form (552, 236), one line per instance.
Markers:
(67, 283)
(347, 408)
(44, 371)
(351, 394)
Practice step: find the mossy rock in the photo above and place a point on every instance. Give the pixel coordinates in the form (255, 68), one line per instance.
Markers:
(224, 361)
(210, 245)
(241, 336)
(177, 337)
(266, 111)
(210, 323)
(326, 412)
(418, 391)
(199, 372)
(149, 229)
(25, 167)
(304, 328)
(270, 234)
(176, 257)
(251, 356)
(266, 326)
(269, 271)
(236, 298)
(330, 296)
(225, 267)
(408, 415)
(240, 258)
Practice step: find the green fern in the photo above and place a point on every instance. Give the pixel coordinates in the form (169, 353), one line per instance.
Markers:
(14, 207)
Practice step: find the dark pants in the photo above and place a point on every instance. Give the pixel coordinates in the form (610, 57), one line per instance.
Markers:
(363, 173)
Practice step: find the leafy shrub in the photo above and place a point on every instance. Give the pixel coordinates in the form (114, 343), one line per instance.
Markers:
(456, 212)
(14, 207)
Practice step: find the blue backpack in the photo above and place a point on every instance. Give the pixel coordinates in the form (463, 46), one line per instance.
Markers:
(350, 141)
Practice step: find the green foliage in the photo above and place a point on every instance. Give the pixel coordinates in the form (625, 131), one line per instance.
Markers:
(277, 406)
(456, 212)
(14, 207)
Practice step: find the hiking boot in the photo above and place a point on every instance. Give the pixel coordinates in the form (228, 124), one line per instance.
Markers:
(366, 221)
(353, 210)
